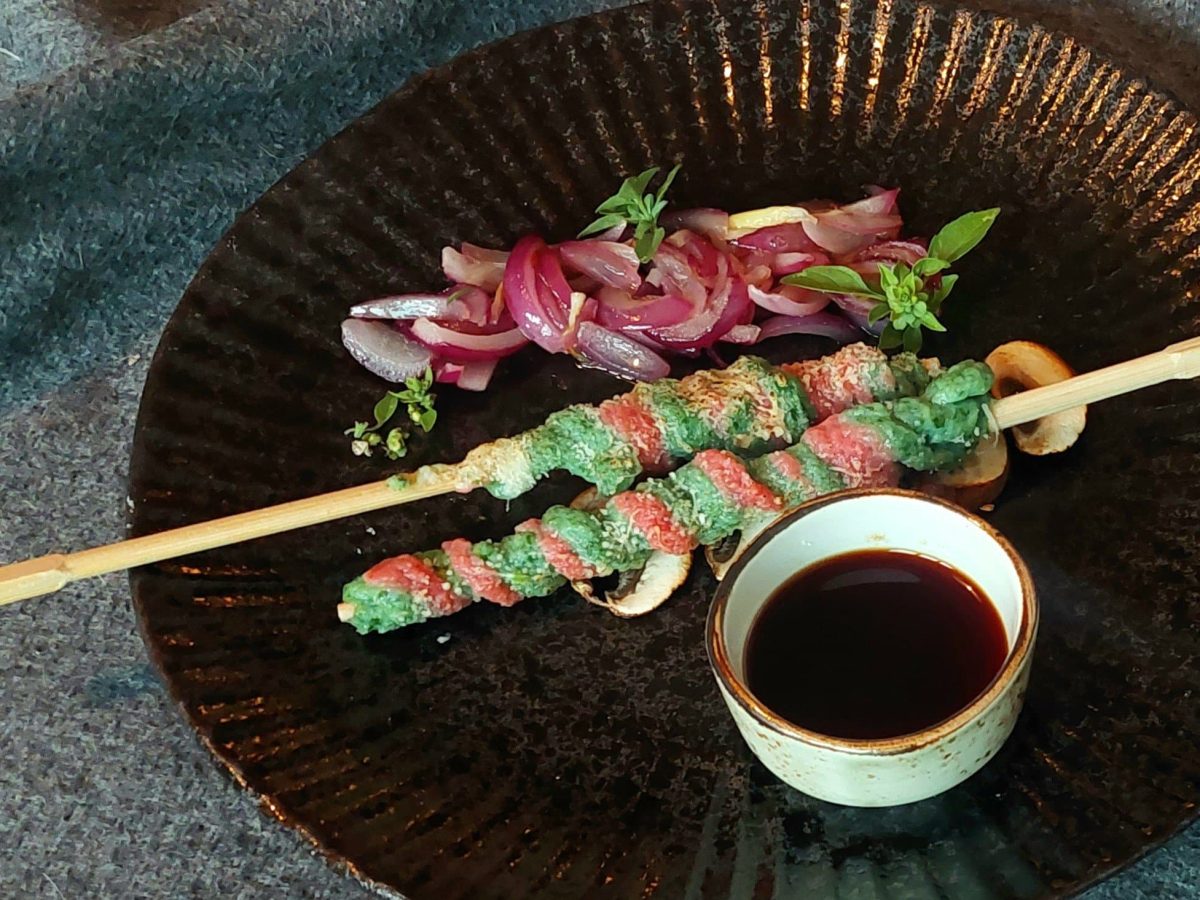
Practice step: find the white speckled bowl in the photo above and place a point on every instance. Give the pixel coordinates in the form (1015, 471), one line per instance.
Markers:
(886, 771)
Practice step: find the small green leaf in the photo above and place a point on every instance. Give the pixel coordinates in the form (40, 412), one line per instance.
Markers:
(647, 243)
(357, 431)
(662, 191)
(602, 224)
(912, 339)
(385, 409)
(887, 279)
(833, 280)
(890, 338)
(929, 320)
(427, 419)
(635, 186)
(943, 290)
(878, 311)
(959, 237)
(929, 266)
(372, 438)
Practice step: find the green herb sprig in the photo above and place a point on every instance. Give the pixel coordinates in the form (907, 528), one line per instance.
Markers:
(633, 205)
(419, 405)
(908, 296)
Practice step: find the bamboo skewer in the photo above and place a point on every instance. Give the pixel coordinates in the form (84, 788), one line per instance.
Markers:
(47, 574)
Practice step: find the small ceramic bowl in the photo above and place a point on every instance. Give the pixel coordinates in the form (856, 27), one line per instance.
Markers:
(894, 770)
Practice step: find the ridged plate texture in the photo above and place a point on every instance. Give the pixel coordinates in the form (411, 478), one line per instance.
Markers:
(554, 750)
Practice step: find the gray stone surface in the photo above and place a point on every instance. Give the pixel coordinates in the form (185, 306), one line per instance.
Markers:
(123, 156)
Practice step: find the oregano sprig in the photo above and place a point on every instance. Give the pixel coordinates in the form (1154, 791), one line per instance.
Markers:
(909, 297)
(633, 205)
(419, 405)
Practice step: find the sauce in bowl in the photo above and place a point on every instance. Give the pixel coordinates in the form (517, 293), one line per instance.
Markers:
(874, 644)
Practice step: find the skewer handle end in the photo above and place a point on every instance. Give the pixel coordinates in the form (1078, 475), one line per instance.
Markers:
(32, 578)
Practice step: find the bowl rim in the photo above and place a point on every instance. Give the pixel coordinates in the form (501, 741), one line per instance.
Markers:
(718, 654)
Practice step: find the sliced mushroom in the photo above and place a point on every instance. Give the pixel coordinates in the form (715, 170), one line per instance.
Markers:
(1021, 365)
(644, 590)
(978, 481)
(638, 593)
(722, 555)
(589, 501)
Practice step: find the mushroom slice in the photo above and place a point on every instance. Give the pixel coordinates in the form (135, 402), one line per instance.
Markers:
(646, 589)
(722, 555)
(1021, 365)
(978, 481)
(589, 501)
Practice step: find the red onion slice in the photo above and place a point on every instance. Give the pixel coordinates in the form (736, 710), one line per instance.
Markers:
(702, 256)
(881, 202)
(476, 375)
(892, 252)
(729, 306)
(523, 296)
(789, 263)
(742, 334)
(825, 324)
(474, 265)
(463, 347)
(789, 300)
(788, 238)
(857, 309)
(619, 310)
(674, 274)
(404, 306)
(382, 349)
(618, 355)
(608, 262)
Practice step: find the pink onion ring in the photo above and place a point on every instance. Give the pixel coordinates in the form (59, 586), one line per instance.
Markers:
(618, 354)
(476, 375)
(742, 334)
(524, 298)
(404, 306)
(825, 324)
(383, 350)
(789, 300)
(789, 263)
(462, 347)
(788, 238)
(620, 311)
(474, 265)
(608, 262)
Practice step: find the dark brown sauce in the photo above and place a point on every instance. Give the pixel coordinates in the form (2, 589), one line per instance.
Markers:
(874, 644)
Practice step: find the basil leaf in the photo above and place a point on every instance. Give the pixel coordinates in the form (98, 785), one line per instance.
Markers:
(890, 338)
(647, 243)
(832, 280)
(929, 320)
(887, 278)
(429, 416)
(662, 191)
(958, 238)
(602, 224)
(947, 285)
(930, 265)
(912, 339)
(636, 185)
(878, 311)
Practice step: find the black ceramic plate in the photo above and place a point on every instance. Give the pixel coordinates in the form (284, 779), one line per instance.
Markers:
(551, 749)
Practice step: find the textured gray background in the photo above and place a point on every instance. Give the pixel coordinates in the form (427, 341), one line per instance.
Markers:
(131, 133)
